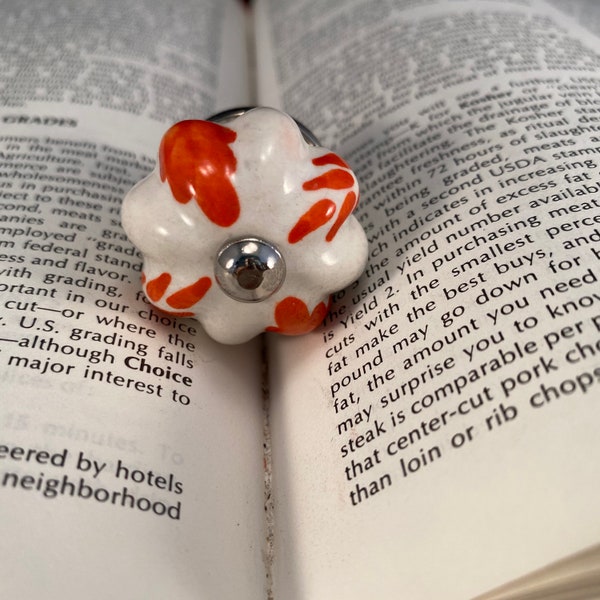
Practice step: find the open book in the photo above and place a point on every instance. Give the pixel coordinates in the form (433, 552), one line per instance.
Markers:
(435, 438)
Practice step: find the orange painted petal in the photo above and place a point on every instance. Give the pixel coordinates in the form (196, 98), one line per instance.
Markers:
(336, 179)
(155, 288)
(348, 206)
(196, 160)
(316, 216)
(330, 159)
(292, 317)
(188, 296)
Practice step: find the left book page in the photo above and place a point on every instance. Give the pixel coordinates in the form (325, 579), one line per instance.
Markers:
(130, 444)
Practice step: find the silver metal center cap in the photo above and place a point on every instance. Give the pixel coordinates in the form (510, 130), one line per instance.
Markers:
(249, 269)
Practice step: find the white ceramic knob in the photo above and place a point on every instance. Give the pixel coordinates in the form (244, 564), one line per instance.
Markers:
(246, 226)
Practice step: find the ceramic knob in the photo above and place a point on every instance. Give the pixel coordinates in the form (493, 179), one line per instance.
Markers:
(246, 225)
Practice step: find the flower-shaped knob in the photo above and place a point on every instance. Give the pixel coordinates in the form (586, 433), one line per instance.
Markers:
(246, 226)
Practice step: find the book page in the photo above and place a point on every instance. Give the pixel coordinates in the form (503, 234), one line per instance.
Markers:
(437, 437)
(130, 443)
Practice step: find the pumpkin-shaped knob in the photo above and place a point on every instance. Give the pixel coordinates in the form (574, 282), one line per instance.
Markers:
(246, 225)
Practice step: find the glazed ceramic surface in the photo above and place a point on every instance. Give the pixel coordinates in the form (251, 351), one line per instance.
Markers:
(255, 179)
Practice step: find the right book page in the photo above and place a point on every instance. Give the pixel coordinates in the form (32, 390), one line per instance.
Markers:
(437, 437)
